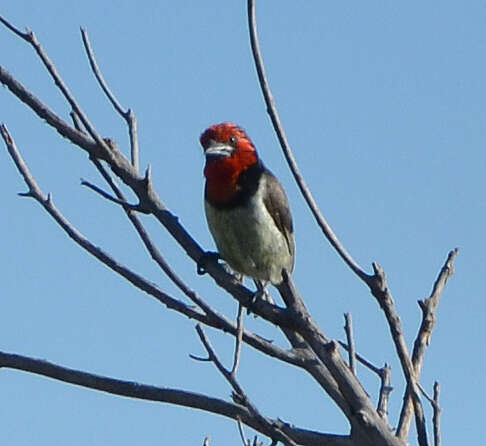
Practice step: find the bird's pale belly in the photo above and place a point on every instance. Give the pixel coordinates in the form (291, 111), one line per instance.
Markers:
(249, 241)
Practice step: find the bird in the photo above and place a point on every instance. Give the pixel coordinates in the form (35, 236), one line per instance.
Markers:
(247, 209)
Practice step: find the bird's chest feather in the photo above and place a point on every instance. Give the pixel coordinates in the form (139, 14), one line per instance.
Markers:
(246, 236)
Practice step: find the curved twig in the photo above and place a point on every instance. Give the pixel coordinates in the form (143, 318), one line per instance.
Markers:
(289, 156)
(240, 395)
(128, 115)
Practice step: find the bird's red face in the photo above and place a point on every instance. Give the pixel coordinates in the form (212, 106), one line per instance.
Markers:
(229, 152)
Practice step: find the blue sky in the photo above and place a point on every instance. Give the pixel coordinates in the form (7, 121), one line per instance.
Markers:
(384, 106)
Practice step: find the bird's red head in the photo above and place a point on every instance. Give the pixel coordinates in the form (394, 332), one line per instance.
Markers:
(229, 152)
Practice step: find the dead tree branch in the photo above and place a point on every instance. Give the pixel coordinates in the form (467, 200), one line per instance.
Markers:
(212, 319)
(178, 397)
(348, 328)
(429, 309)
(128, 115)
(387, 304)
(289, 156)
(239, 394)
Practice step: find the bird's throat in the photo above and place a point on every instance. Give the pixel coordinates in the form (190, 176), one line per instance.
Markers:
(223, 178)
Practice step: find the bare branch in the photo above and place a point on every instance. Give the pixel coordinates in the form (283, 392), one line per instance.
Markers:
(212, 318)
(242, 433)
(149, 199)
(429, 308)
(128, 115)
(31, 38)
(385, 390)
(434, 402)
(217, 320)
(348, 327)
(362, 359)
(289, 156)
(178, 397)
(385, 377)
(239, 337)
(361, 413)
(436, 416)
(98, 190)
(240, 395)
(381, 292)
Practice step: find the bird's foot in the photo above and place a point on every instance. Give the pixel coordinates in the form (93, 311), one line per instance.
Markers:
(207, 258)
(260, 294)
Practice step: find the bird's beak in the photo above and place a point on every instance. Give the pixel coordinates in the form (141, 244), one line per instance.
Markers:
(216, 150)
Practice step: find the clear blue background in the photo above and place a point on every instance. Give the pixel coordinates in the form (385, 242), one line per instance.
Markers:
(384, 105)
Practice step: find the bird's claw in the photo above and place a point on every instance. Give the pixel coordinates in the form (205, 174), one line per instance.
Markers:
(259, 294)
(207, 258)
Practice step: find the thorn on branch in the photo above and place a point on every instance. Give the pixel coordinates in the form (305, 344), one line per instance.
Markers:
(25, 194)
(200, 358)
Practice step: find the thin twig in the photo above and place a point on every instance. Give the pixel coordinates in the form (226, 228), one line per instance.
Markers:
(239, 337)
(362, 359)
(239, 393)
(78, 125)
(434, 402)
(436, 416)
(31, 38)
(385, 379)
(138, 281)
(242, 433)
(128, 115)
(104, 194)
(429, 309)
(379, 289)
(289, 156)
(348, 327)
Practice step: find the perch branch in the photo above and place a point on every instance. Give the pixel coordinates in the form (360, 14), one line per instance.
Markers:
(143, 189)
(212, 319)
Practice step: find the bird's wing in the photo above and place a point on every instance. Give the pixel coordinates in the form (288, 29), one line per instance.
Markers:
(277, 205)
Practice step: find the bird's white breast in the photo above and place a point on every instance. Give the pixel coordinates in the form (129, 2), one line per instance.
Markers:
(249, 240)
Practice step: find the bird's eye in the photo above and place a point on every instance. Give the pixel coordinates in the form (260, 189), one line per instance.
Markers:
(232, 139)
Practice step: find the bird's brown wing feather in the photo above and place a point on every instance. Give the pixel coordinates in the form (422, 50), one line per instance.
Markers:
(277, 205)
